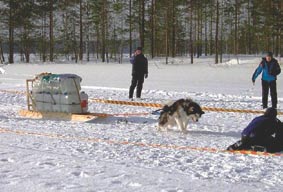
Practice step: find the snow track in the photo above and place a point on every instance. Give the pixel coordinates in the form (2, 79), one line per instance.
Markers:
(38, 163)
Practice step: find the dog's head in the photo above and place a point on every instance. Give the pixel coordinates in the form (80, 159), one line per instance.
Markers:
(193, 110)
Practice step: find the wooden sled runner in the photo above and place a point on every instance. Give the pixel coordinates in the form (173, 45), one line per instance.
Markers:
(59, 115)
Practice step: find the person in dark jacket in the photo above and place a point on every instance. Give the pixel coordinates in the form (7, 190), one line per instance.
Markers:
(269, 68)
(139, 72)
(259, 133)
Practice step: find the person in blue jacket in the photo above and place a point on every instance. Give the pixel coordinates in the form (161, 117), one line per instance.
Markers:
(269, 68)
(259, 133)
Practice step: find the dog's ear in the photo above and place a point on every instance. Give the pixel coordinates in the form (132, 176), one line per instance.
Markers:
(191, 109)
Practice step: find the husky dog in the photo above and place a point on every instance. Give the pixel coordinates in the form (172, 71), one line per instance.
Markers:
(178, 114)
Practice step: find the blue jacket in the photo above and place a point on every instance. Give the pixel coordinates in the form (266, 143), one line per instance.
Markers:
(269, 70)
(261, 127)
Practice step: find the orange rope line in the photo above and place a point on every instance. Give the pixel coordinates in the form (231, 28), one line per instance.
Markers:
(138, 144)
(130, 114)
(140, 104)
(156, 105)
(13, 92)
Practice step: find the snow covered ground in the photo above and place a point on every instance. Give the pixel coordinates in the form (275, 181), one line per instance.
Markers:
(47, 155)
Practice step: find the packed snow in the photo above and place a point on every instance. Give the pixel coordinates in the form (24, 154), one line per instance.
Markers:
(81, 156)
(2, 71)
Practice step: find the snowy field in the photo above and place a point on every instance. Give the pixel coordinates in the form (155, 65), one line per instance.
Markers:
(46, 155)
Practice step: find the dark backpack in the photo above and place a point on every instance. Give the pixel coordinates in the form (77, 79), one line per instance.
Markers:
(279, 134)
(275, 68)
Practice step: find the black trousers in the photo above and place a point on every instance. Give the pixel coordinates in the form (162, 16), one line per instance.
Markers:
(247, 143)
(137, 81)
(273, 92)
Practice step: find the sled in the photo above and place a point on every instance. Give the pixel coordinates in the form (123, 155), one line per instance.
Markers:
(256, 153)
(32, 111)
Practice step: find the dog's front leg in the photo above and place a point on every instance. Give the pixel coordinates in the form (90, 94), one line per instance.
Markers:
(179, 124)
(158, 128)
(185, 130)
(186, 122)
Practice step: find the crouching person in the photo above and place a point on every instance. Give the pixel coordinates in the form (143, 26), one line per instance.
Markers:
(258, 135)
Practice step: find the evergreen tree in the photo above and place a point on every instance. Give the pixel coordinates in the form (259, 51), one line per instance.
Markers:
(166, 28)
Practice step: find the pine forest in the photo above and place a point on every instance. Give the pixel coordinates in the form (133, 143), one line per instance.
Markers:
(110, 30)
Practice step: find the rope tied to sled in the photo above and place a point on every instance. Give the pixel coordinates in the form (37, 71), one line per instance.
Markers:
(132, 103)
(157, 105)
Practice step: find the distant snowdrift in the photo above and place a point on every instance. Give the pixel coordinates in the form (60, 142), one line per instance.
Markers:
(241, 61)
(227, 60)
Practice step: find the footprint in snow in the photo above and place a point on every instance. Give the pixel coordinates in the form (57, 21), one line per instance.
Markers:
(80, 174)
(9, 160)
(116, 182)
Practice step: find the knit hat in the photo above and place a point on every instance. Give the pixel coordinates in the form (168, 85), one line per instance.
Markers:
(269, 54)
(139, 48)
(270, 112)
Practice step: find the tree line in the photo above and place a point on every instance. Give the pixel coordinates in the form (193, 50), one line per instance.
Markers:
(83, 30)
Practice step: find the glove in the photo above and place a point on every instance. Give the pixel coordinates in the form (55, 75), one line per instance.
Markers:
(146, 75)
